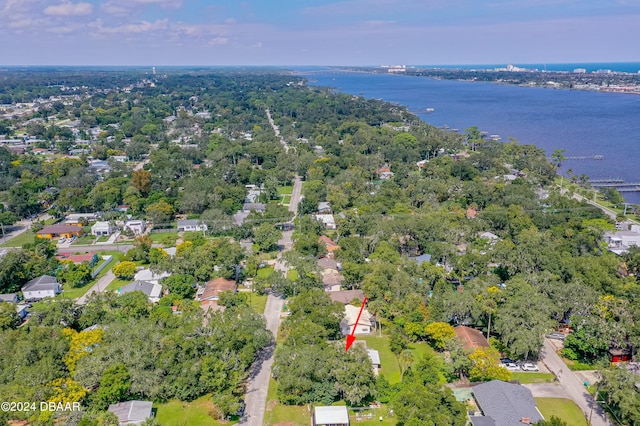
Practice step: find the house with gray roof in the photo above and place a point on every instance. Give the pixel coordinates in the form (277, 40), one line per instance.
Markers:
(152, 290)
(132, 412)
(191, 225)
(41, 287)
(9, 297)
(507, 404)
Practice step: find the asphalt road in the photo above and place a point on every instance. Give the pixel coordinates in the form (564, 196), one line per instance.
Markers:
(573, 387)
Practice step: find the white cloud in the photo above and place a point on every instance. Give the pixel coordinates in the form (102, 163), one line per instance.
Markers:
(69, 9)
(125, 7)
(132, 28)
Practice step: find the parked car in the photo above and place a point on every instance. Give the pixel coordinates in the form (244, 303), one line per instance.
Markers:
(507, 361)
(511, 366)
(556, 335)
(529, 367)
(62, 240)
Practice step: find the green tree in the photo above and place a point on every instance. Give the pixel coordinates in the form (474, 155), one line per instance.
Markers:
(114, 386)
(8, 316)
(266, 236)
(180, 285)
(486, 366)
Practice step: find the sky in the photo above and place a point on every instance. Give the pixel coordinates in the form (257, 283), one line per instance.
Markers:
(317, 32)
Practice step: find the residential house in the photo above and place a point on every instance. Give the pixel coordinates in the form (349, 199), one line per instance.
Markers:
(9, 297)
(132, 412)
(328, 265)
(365, 325)
(212, 289)
(324, 207)
(330, 416)
(77, 258)
(136, 226)
(619, 355)
(58, 231)
(191, 225)
(256, 207)
(148, 275)
(384, 173)
(41, 287)
(153, 291)
(328, 244)
(76, 218)
(328, 221)
(507, 404)
(471, 338)
(102, 228)
(332, 281)
(346, 296)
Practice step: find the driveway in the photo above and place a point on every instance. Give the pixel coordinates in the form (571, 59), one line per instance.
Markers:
(547, 390)
(98, 287)
(572, 385)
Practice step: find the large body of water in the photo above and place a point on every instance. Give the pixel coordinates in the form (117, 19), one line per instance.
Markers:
(580, 122)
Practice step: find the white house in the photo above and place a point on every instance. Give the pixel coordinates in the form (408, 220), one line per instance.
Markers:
(41, 287)
(364, 325)
(331, 416)
(327, 220)
(102, 228)
(149, 275)
(74, 218)
(191, 225)
(136, 226)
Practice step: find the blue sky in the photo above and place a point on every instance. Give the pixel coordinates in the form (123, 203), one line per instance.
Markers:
(317, 32)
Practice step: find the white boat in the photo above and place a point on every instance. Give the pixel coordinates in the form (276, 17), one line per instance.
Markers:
(430, 109)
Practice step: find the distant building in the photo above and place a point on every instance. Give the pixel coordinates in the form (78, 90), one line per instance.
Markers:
(191, 225)
(136, 226)
(327, 220)
(102, 228)
(256, 207)
(58, 231)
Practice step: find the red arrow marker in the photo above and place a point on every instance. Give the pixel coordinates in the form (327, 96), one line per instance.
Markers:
(351, 337)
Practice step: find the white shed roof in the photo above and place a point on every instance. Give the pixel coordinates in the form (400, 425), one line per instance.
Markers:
(331, 415)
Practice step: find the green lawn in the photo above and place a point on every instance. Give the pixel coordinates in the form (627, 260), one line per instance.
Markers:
(265, 272)
(286, 199)
(526, 377)
(116, 284)
(579, 366)
(166, 238)
(277, 412)
(285, 190)
(563, 408)
(75, 293)
(258, 302)
(178, 413)
(85, 240)
(20, 240)
(292, 275)
(388, 361)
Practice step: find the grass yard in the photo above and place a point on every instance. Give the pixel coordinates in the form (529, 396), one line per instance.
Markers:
(526, 377)
(20, 240)
(85, 240)
(579, 366)
(265, 272)
(292, 275)
(258, 302)
(286, 199)
(178, 413)
(563, 408)
(74, 293)
(285, 190)
(297, 414)
(116, 284)
(390, 367)
(168, 239)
